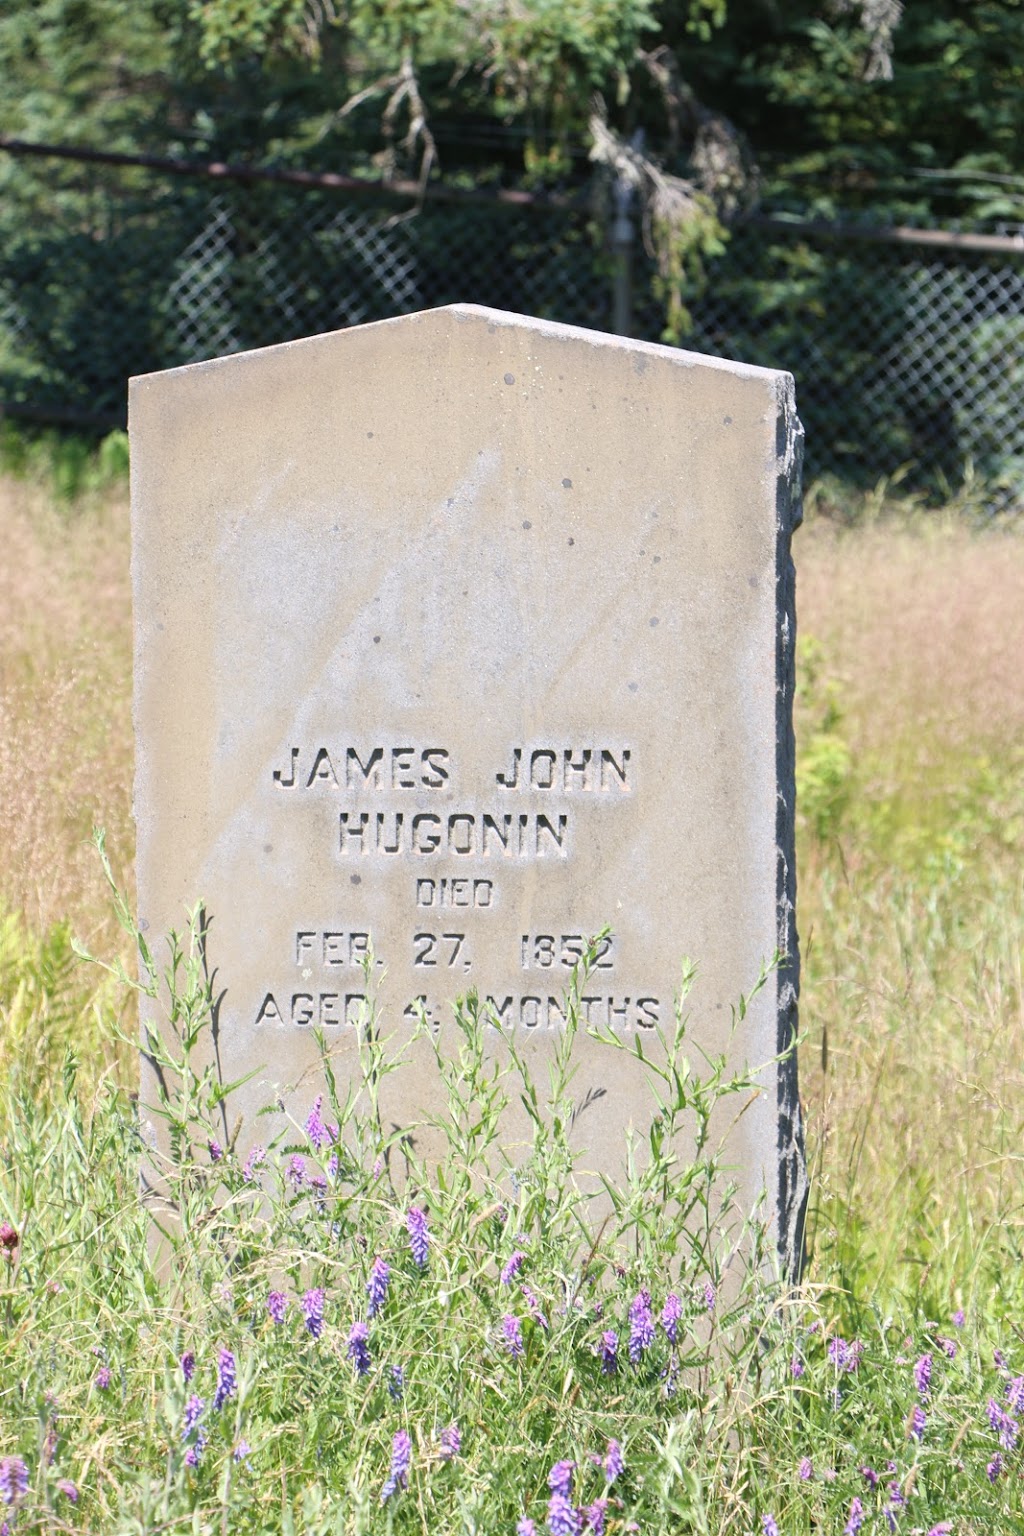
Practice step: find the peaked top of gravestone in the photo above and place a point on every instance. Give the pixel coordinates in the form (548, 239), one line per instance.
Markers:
(450, 319)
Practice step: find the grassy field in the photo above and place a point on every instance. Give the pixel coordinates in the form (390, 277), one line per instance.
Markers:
(911, 911)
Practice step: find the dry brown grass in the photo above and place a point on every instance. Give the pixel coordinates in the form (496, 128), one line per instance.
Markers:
(65, 706)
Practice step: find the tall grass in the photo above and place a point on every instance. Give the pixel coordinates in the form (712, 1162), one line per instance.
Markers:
(911, 770)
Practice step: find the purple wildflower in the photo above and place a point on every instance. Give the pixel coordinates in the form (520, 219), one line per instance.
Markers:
(1015, 1394)
(709, 1296)
(358, 1348)
(188, 1365)
(416, 1226)
(193, 1413)
(796, 1367)
(13, 1479)
(526, 1527)
(396, 1384)
(613, 1461)
(805, 1471)
(512, 1335)
(837, 1352)
(923, 1376)
(958, 1318)
(918, 1420)
(998, 1360)
(256, 1158)
(593, 1515)
(401, 1454)
(313, 1311)
(560, 1478)
(68, 1489)
(194, 1454)
(942, 1529)
(451, 1442)
(277, 1306)
(671, 1313)
(377, 1285)
(215, 1150)
(562, 1517)
(641, 1326)
(948, 1346)
(769, 1526)
(856, 1519)
(333, 1164)
(315, 1128)
(870, 1476)
(609, 1352)
(241, 1451)
(897, 1497)
(513, 1267)
(296, 1171)
(534, 1306)
(225, 1379)
(102, 1378)
(995, 1467)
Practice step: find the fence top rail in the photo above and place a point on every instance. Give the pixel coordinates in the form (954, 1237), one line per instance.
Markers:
(417, 192)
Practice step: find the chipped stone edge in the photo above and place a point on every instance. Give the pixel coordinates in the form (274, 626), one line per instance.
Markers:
(793, 1186)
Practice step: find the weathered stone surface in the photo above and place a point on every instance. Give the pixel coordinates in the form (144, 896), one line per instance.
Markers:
(463, 635)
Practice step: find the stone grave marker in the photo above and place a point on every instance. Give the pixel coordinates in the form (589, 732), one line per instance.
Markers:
(459, 637)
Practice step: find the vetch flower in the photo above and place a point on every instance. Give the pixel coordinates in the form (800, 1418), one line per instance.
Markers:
(188, 1365)
(512, 1268)
(534, 1306)
(102, 1378)
(856, 1519)
(613, 1461)
(215, 1150)
(13, 1479)
(609, 1352)
(1015, 1394)
(277, 1305)
(68, 1489)
(948, 1346)
(641, 1326)
(870, 1476)
(918, 1420)
(241, 1451)
(451, 1442)
(358, 1348)
(193, 1413)
(313, 1311)
(995, 1467)
(225, 1379)
(194, 1454)
(512, 1335)
(526, 1527)
(257, 1157)
(709, 1296)
(593, 1515)
(805, 1471)
(796, 1367)
(837, 1352)
(419, 1238)
(315, 1128)
(769, 1526)
(396, 1383)
(671, 1313)
(377, 1285)
(923, 1376)
(296, 1171)
(560, 1478)
(562, 1517)
(958, 1318)
(401, 1455)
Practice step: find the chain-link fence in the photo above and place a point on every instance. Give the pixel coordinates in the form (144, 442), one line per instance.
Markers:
(908, 350)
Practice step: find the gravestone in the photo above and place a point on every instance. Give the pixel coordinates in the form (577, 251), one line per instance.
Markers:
(460, 637)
